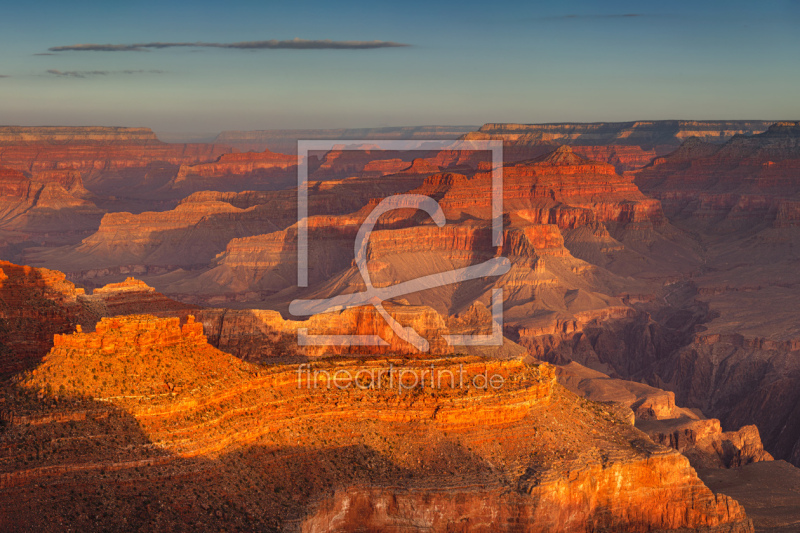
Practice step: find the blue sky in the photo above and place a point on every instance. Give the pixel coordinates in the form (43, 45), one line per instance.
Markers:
(468, 63)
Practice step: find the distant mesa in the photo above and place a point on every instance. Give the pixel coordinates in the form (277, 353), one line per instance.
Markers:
(626, 145)
(76, 134)
(285, 141)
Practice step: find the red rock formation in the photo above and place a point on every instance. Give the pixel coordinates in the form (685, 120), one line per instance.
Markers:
(626, 145)
(131, 297)
(109, 160)
(535, 455)
(237, 172)
(35, 304)
(262, 335)
(746, 179)
(559, 188)
(560, 505)
(45, 211)
(654, 411)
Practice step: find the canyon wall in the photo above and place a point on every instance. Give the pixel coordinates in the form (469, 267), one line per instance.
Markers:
(186, 425)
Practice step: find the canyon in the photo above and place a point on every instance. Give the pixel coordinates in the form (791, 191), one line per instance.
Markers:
(649, 330)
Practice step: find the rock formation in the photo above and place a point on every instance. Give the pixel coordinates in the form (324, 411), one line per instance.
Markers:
(285, 141)
(333, 441)
(53, 211)
(239, 172)
(68, 134)
(35, 304)
(700, 439)
(118, 162)
(748, 179)
(626, 145)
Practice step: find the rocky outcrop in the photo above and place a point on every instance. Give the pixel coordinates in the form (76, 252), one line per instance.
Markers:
(35, 304)
(438, 440)
(239, 172)
(263, 335)
(131, 297)
(121, 358)
(654, 411)
(706, 445)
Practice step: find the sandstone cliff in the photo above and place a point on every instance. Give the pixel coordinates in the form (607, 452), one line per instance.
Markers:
(654, 411)
(238, 172)
(748, 179)
(35, 304)
(118, 162)
(327, 456)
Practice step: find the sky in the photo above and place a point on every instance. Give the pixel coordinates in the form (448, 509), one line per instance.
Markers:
(316, 64)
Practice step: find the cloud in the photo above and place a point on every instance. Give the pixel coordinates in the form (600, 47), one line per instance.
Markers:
(90, 73)
(45, 54)
(294, 44)
(617, 16)
(4, 76)
(574, 16)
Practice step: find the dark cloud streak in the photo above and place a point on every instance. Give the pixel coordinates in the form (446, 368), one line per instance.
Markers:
(294, 44)
(90, 73)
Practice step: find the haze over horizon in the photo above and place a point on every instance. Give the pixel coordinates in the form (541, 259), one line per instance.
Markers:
(200, 69)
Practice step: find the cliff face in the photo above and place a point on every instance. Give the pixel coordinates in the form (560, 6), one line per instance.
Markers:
(626, 145)
(560, 505)
(54, 210)
(748, 178)
(333, 441)
(654, 412)
(263, 335)
(239, 172)
(35, 304)
(559, 188)
(110, 161)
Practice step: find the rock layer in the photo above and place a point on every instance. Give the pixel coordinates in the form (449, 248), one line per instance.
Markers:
(536, 453)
